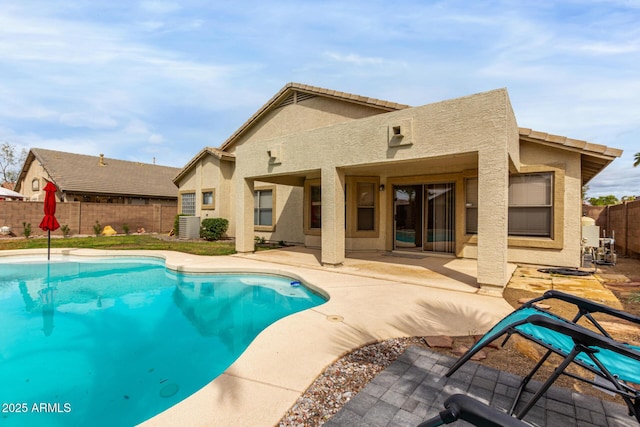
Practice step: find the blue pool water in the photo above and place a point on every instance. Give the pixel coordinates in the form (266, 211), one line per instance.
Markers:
(114, 342)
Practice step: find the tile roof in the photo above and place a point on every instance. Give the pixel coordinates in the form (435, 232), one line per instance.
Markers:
(595, 157)
(84, 174)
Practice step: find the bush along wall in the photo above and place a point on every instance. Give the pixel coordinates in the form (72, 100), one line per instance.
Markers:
(213, 228)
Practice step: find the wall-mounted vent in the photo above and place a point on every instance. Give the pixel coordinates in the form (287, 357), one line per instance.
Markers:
(400, 133)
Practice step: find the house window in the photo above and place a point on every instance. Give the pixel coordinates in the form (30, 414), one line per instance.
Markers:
(35, 184)
(366, 206)
(188, 203)
(531, 205)
(208, 199)
(471, 205)
(263, 208)
(315, 207)
(362, 198)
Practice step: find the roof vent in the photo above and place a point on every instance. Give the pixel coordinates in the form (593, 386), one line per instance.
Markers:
(287, 101)
(101, 161)
(302, 96)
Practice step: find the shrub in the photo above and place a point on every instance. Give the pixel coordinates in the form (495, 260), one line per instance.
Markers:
(26, 229)
(213, 228)
(125, 228)
(65, 230)
(97, 228)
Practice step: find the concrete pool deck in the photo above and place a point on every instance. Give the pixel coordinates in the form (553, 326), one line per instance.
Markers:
(372, 297)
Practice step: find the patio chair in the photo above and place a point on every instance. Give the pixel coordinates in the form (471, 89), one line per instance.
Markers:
(615, 362)
(585, 309)
(460, 406)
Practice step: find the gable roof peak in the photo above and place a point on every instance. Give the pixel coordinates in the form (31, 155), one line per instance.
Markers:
(292, 87)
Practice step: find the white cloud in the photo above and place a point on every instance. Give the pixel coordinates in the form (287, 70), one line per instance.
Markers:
(91, 121)
(137, 127)
(143, 78)
(601, 48)
(160, 7)
(156, 139)
(354, 59)
(152, 25)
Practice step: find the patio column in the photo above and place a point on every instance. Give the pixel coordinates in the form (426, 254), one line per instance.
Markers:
(493, 214)
(244, 216)
(333, 232)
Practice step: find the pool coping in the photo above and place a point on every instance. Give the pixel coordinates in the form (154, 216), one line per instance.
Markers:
(285, 358)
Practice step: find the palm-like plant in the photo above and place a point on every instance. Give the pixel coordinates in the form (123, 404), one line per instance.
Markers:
(636, 159)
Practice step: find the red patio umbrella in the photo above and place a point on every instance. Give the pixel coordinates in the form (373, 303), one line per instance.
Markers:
(49, 222)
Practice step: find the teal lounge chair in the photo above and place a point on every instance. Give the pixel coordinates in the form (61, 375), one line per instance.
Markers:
(597, 352)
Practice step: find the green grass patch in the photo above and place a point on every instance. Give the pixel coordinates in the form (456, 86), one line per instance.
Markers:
(634, 297)
(129, 242)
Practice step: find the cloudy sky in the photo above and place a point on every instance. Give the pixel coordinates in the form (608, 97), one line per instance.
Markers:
(138, 80)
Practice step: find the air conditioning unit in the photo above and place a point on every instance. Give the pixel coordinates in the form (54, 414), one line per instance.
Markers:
(189, 227)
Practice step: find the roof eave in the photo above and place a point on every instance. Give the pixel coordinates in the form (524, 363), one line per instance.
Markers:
(594, 157)
(221, 155)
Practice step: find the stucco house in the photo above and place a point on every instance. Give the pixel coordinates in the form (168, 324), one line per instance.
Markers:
(83, 178)
(345, 173)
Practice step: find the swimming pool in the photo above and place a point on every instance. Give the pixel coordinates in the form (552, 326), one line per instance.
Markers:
(116, 341)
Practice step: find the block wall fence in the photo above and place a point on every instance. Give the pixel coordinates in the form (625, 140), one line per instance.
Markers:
(82, 216)
(624, 221)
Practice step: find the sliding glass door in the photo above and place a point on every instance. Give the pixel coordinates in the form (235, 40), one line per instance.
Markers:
(425, 217)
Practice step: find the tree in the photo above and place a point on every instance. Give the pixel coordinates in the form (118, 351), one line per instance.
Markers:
(636, 160)
(10, 162)
(585, 190)
(603, 200)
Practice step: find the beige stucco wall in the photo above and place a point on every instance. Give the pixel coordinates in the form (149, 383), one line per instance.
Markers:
(308, 114)
(35, 171)
(564, 250)
(210, 172)
(442, 142)
(287, 213)
(482, 124)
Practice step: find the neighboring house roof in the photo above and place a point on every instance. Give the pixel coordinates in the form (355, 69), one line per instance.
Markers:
(79, 173)
(10, 194)
(595, 157)
(206, 151)
(287, 91)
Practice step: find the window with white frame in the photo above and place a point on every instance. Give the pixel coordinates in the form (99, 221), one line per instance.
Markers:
(188, 203)
(263, 208)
